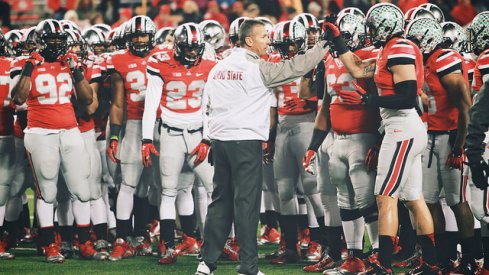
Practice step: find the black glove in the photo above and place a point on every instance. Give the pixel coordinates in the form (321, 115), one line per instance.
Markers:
(480, 171)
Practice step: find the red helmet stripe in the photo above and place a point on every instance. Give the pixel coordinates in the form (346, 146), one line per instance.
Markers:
(286, 31)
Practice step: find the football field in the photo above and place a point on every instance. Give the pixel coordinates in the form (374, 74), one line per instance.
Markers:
(26, 262)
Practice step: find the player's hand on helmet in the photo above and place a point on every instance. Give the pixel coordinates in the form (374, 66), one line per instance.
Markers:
(480, 171)
(71, 60)
(456, 158)
(268, 148)
(329, 28)
(112, 149)
(308, 161)
(372, 158)
(359, 96)
(35, 59)
(201, 151)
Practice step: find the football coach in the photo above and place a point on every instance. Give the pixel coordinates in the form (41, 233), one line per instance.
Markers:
(238, 97)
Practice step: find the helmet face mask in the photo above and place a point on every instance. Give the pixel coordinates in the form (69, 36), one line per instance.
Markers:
(51, 39)
(311, 24)
(478, 33)
(96, 41)
(289, 39)
(140, 35)
(189, 44)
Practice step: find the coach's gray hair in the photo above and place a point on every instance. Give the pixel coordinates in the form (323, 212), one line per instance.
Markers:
(246, 29)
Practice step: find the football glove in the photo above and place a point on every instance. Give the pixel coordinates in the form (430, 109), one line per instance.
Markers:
(201, 151)
(372, 157)
(147, 149)
(71, 60)
(112, 149)
(330, 30)
(295, 104)
(456, 159)
(268, 148)
(480, 172)
(308, 161)
(359, 96)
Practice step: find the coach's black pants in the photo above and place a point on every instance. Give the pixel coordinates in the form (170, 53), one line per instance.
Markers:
(237, 193)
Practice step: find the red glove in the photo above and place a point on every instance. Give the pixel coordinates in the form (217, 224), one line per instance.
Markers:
(112, 150)
(359, 96)
(36, 59)
(147, 149)
(201, 151)
(268, 152)
(372, 158)
(294, 104)
(456, 159)
(308, 161)
(70, 59)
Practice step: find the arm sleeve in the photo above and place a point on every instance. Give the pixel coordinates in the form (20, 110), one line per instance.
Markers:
(478, 125)
(151, 104)
(276, 74)
(405, 97)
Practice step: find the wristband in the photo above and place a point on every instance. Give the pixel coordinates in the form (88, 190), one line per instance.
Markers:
(317, 139)
(206, 142)
(114, 131)
(339, 45)
(77, 75)
(146, 141)
(28, 68)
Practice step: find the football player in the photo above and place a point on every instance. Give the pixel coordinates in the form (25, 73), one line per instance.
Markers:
(351, 159)
(295, 123)
(48, 80)
(128, 81)
(7, 147)
(449, 100)
(175, 81)
(398, 74)
(478, 34)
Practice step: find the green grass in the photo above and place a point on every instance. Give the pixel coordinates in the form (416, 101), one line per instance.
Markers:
(26, 262)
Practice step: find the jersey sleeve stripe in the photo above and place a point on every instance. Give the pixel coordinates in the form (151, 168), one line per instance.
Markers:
(402, 46)
(445, 55)
(449, 69)
(153, 69)
(400, 61)
(453, 63)
(401, 55)
(481, 67)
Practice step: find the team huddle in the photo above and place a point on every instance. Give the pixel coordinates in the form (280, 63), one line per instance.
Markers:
(108, 127)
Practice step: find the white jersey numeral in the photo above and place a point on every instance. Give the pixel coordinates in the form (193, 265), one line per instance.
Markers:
(182, 97)
(54, 89)
(137, 80)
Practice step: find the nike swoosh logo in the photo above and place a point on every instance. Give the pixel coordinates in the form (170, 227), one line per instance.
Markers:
(197, 74)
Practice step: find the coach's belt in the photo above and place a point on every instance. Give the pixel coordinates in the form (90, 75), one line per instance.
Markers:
(170, 128)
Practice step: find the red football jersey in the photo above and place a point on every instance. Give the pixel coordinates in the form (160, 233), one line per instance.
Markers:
(6, 110)
(348, 118)
(48, 103)
(442, 114)
(181, 99)
(287, 92)
(92, 73)
(133, 72)
(481, 70)
(470, 64)
(397, 51)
